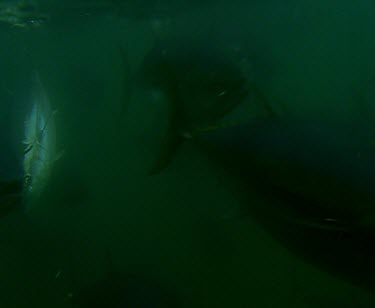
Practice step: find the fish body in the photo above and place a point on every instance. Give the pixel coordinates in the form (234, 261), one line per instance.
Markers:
(301, 156)
(40, 147)
(200, 84)
(317, 183)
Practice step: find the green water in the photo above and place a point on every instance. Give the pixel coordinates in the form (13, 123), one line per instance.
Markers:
(182, 229)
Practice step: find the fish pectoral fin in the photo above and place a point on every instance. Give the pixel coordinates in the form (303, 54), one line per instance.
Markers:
(173, 141)
(30, 143)
(28, 148)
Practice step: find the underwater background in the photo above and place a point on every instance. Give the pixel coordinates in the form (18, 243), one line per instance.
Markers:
(104, 226)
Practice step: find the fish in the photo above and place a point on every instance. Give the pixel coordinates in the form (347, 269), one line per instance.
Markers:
(200, 84)
(40, 141)
(315, 180)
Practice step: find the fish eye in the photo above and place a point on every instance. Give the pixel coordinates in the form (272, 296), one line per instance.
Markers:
(218, 89)
(28, 180)
(222, 93)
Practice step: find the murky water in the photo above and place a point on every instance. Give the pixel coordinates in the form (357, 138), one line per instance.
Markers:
(107, 233)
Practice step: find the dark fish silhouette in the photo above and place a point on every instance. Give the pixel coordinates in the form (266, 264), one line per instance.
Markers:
(200, 84)
(317, 181)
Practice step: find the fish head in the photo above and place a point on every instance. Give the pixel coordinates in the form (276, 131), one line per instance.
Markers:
(200, 84)
(209, 93)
